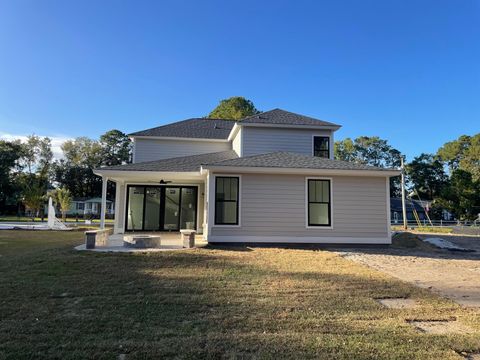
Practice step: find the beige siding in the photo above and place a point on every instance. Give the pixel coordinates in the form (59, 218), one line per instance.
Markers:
(274, 206)
(258, 140)
(237, 142)
(156, 149)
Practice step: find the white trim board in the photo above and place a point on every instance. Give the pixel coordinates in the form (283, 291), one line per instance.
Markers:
(299, 239)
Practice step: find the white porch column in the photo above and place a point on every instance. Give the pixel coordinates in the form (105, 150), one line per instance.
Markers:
(119, 206)
(103, 207)
(210, 204)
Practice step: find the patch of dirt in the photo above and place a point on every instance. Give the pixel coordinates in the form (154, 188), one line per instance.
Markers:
(407, 240)
(454, 275)
(398, 303)
(441, 327)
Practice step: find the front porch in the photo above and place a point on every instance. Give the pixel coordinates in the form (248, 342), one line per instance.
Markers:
(169, 241)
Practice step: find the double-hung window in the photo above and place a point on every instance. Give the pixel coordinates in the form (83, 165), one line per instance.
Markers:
(321, 146)
(319, 202)
(226, 200)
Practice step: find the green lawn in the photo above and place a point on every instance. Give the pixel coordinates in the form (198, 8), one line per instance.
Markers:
(427, 229)
(210, 303)
(37, 219)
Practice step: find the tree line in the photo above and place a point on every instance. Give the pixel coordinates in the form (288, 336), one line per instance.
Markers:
(449, 178)
(29, 173)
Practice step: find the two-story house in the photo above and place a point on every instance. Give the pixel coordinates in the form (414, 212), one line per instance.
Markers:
(270, 178)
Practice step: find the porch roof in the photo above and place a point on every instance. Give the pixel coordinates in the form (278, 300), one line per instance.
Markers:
(294, 161)
(178, 164)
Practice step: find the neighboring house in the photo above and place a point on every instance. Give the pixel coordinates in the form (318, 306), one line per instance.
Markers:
(397, 213)
(87, 206)
(270, 177)
(90, 206)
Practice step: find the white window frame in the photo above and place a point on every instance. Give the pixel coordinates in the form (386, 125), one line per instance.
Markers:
(306, 203)
(212, 219)
(330, 145)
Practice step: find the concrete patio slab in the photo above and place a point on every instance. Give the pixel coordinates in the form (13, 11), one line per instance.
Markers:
(169, 242)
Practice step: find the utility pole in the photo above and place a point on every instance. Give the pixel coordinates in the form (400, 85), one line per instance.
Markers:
(404, 205)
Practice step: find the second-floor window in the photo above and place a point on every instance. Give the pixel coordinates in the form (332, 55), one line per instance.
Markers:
(321, 146)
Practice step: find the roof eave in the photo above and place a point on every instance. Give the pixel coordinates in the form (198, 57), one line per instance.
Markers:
(177, 138)
(300, 171)
(287, 126)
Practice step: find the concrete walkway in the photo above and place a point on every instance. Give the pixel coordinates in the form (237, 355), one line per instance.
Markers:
(454, 275)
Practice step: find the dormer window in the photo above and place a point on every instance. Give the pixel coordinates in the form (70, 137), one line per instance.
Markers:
(321, 146)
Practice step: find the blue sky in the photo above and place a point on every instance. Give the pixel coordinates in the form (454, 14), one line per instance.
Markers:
(407, 71)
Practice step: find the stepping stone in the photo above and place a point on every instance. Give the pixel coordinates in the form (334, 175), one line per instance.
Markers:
(398, 303)
(441, 327)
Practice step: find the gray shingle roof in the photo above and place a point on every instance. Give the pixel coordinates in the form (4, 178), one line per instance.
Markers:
(282, 117)
(180, 164)
(293, 161)
(200, 128)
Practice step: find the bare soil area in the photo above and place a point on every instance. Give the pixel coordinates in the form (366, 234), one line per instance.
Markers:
(455, 275)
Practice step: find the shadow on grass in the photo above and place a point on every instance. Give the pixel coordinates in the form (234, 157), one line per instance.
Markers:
(207, 303)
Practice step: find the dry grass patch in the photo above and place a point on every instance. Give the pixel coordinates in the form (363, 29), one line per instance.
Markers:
(208, 303)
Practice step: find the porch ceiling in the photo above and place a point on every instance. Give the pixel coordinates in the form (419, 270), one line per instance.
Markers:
(150, 176)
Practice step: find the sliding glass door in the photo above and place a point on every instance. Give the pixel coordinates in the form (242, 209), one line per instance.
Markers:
(161, 208)
(172, 209)
(136, 196)
(152, 208)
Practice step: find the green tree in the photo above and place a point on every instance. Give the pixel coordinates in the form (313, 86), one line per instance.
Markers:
(345, 150)
(37, 155)
(35, 161)
(462, 195)
(10, 153)
(370, 151)
(234, 108)
(82, 155)
(34, 195)
(463, 153)
(116, 148)
(62, 199)
(427, 175)
(83, 151)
